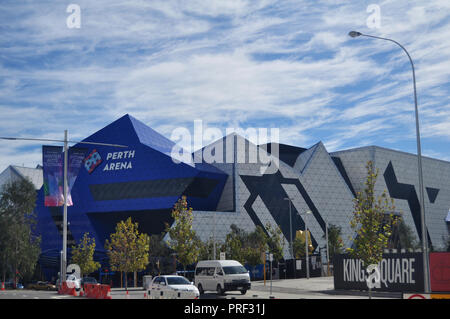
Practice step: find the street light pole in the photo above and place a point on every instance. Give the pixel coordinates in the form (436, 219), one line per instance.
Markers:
(426, 268)
(63, 274)
(306, 245)
(328, 255)
(290, 232)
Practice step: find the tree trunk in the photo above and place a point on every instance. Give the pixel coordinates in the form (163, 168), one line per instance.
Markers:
(121, 279)
(135, 279)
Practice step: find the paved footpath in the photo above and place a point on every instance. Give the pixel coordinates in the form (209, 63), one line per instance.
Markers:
(313, 288)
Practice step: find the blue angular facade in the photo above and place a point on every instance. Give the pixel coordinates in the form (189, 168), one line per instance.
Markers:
(140, 181)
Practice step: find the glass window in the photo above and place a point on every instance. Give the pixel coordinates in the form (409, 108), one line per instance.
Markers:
(219, 271)
(177, 281)
(211, 271)
(231, 270)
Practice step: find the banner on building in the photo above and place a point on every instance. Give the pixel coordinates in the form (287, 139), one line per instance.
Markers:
(52, 162)
(399, 272)
(53, 168)
(75, 160)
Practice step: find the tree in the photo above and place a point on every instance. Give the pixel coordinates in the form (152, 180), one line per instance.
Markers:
(159, 255)
(19, 247)
(335, 243)
(299, 244)
(255, 246)
(372, 220)
(403, 237)
(206, 249)
(275, 242)
(127, 249)
(234, 244)
(83, 255)
(182, 236)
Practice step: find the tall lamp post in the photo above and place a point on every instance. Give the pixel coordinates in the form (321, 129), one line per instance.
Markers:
(290, 233)
(306, 241)
(426, 268)
(66, 149)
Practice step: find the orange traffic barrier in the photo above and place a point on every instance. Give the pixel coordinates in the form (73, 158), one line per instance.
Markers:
(96, 291)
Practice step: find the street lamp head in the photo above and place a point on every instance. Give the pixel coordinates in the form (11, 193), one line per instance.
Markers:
(309, 212)
(354, 34)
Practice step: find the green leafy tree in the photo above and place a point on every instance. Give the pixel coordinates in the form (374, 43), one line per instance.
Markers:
(127, 249)
(182, 236)
(402, 237)
(255, 246)
(19, 248)
(234, 244)
(372, 221)
(160, 255)
(335, 243)
(83, 255)
(275, 241)
(206, 249)
(299, 244)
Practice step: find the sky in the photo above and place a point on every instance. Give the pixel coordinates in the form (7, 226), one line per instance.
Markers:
(286, 64)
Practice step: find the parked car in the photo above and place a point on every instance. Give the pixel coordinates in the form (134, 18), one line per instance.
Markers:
(172, 287)
(41, 285)
(88, 280)
(10, 284)
(221, 276)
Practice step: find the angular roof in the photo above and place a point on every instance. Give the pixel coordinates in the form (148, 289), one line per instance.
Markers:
(13, 172)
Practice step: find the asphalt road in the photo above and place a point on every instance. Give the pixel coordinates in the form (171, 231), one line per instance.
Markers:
(314, 288)
(31, 294)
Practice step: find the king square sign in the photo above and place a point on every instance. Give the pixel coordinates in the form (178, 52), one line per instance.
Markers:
(397, 272)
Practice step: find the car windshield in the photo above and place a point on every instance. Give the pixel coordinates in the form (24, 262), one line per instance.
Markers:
(177, 281)
(89, 279)
(232, 270)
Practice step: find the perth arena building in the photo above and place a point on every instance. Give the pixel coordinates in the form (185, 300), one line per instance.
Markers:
(143, 181)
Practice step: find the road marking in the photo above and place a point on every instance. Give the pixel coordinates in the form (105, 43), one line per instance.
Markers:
(59, 297)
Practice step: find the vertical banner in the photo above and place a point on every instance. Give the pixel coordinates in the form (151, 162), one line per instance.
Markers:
(52, 162)
(75, 160)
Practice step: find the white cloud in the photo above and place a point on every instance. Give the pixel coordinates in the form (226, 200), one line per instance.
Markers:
(288, 64)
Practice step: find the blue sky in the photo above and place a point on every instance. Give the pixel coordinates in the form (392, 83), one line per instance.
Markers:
(286, 64)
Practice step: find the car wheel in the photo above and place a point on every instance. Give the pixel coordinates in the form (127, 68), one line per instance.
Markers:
(200, 289)
(243, 292)
(220, 290)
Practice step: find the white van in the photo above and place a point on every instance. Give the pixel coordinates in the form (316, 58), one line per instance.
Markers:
(221, 276)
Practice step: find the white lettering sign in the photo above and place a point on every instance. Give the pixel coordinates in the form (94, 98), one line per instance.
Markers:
(119, 160)
(390, 271)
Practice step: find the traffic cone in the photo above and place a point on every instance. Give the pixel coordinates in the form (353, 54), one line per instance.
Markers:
(127, 296)
(145, 295)
(3, 286)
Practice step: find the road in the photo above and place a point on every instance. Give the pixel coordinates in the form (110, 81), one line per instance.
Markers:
(313, 288)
